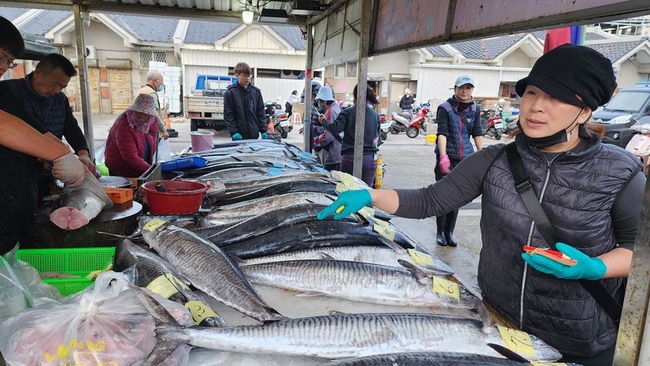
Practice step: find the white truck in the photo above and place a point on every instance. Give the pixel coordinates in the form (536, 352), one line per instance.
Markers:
(204, 107)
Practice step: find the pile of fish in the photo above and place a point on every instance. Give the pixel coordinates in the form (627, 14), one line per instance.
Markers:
(258, 230)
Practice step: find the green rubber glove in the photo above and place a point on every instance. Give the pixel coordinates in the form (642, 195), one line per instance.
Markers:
(263, 135)
(587, 268)
(347, 203)
(236, 136)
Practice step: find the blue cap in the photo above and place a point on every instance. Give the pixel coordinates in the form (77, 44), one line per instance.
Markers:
(325, 93)
(464, 79)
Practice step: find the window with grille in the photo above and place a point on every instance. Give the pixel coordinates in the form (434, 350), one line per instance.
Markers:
(148, 56)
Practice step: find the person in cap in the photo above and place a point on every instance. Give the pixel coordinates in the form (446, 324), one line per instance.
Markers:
(591, 192)
(22, 144)
(156, 84)
(330, 147)
(458, 119)
(243, 107)
(131, 141)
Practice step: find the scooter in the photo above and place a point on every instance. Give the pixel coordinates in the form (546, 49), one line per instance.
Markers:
(384, 126)
(282, 124)
(419, 123)
(495, 127)
(639, 145)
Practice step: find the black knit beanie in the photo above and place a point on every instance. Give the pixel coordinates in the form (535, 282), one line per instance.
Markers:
(576, 75)
(10, 38)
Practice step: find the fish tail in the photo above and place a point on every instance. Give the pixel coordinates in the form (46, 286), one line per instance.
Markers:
(170, 333)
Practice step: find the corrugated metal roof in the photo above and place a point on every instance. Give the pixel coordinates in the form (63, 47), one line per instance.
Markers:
(207, 32)
(45, 21)
(147, 29)
(292, 34)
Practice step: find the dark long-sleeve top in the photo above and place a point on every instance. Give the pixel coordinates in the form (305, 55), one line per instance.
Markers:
(346, 122)
(243, 111)
(53, 112)
(126, 147)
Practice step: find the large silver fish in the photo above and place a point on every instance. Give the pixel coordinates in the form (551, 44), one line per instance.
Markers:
(356, 335)
(207, 267)
(387, 256)
(359, 281)
(78, 205)
(428, 359)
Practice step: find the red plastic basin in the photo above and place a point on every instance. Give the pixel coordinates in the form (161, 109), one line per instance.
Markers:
(179, 197)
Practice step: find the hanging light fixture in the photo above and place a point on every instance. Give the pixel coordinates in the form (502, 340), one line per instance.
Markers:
(247, 16)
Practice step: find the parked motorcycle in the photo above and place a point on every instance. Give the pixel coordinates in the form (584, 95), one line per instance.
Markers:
(639, 145)
(412, 127)
(278, 117)
(495, 127)
(384, 126)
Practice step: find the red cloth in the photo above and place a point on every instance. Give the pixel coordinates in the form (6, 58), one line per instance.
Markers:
(125, 148)
(556, 37)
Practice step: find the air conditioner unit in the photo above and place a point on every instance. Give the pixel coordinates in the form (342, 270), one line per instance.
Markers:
(90, 52)
(307, 7)
(273, 16)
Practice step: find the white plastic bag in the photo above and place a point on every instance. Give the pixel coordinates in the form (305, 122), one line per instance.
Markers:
(99, 154)
(164, 151)
(104, 325)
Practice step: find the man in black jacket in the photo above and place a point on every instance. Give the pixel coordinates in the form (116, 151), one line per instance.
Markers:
(243, 107)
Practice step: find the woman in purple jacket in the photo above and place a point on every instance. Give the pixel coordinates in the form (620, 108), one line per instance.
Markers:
(131, 140)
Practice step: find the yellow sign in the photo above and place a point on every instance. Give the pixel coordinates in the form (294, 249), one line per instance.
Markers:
(516, 340)
(153, 224)
(200, 311)
(445, 287)
(420, 258)
(166, 285)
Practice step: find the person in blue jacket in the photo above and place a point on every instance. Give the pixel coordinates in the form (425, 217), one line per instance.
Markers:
(458, 119)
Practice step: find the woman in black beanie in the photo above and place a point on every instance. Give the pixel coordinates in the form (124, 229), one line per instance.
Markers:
(590, 192)
(20, 145)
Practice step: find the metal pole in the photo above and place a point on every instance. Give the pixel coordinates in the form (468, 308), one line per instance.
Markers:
(306, 116)
(635, 307)
(360, 101)
(83, 79)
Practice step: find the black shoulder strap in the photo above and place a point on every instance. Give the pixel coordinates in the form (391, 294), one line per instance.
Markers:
(536, 211)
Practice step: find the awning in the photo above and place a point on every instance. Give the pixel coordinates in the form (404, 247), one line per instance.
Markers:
(36, 47)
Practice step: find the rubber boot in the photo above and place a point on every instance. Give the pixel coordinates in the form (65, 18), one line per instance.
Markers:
(440, 224)
(450, 224)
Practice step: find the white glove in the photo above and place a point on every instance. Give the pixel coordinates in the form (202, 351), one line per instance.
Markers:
(85, 160)
(68, 169)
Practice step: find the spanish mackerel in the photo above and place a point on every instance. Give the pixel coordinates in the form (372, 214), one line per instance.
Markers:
(359, 281)
(359, 253)
(297, 185)
(428, 359)
(355, 335)
(247, 209)
(207, 267)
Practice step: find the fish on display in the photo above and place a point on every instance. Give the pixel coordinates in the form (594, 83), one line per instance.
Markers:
(308, 235)
(428, 359)
(247, 209)
(362, 282)
(262, 224)
(147, 269)
(387, 256)
(356, 335)
(296, 185)
(207, 268)
(78, 205)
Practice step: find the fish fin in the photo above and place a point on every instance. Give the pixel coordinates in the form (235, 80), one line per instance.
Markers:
(159, 313)
(391, 244)
(161, 352)
(326, 256)
(507, 353)
(484, 315)
(134, 235)
(419, 274)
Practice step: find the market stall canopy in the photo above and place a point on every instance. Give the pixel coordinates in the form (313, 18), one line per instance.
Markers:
(36, 47)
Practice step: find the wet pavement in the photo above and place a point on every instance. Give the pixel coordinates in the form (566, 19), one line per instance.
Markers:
(409, 164)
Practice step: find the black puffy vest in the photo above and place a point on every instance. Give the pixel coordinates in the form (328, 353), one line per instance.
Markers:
(580, 192)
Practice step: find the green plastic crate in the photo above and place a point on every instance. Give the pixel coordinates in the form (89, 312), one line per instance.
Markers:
(74, 261)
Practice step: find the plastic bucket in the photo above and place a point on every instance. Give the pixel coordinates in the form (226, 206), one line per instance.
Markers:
(201, 140)
(179, 196)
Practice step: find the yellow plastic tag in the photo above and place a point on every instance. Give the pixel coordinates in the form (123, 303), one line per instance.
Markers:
(153, 224)
(516, 340)
(92, 275)
(384, 231)
(200, 311)
(537, 363)
(367, 211)
(445, 287)
(166, 285)
(348, 181)
(340, 187)
(420, 258)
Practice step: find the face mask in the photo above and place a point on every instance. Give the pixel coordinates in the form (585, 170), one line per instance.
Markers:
(557, 138)
(160, 88)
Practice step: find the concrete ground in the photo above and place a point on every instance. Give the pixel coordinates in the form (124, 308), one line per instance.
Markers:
(409, 164)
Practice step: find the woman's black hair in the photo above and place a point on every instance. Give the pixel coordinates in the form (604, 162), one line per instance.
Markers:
(370, 95)
(10, 38)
